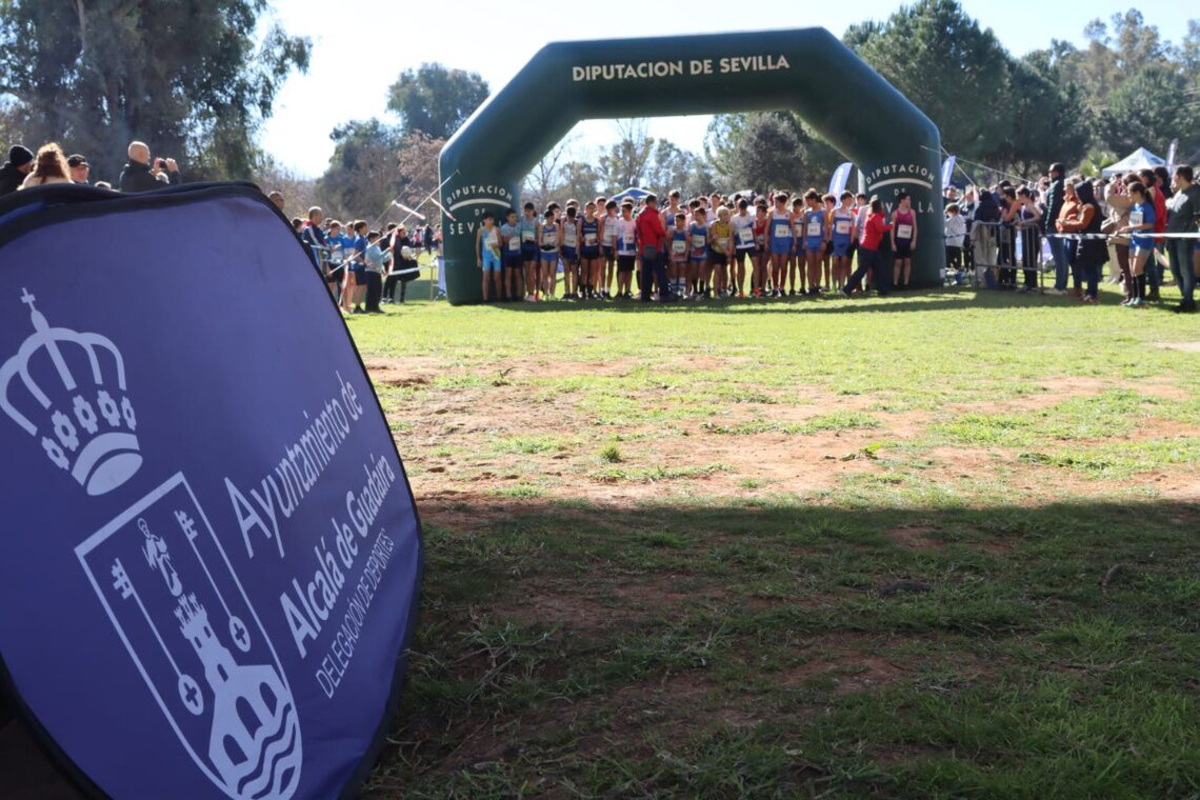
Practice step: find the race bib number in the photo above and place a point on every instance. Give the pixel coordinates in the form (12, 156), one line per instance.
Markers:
(814, 229)
(746, 236)
(783, 232)
(527, 236)
(514, 244)
(904, 231)
(569, 237)
(490, 242)
(842, 226)
(698, 241)
(589, 239)
(679, 247)
(1136, 218)
(609, 235)
(550, 239)
(761, 239)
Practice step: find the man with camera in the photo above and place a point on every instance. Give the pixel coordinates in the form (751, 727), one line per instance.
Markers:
(140, 176)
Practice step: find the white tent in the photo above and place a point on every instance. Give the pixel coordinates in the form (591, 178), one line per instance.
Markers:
(1138, 159)
(632, 193)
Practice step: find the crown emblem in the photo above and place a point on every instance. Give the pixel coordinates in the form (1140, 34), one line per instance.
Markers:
(73, 402)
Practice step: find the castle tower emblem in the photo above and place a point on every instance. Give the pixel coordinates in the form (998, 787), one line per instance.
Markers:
(187, 624)
(67, 390)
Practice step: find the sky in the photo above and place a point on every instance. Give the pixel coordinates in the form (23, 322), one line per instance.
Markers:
(360, 47)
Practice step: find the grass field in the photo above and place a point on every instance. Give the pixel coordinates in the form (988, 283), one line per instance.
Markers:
(940, 545)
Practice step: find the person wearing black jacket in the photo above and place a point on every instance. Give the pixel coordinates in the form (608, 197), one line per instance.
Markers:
(12, 174)
(404, 258)
(1091, 254)
(1055, 197)
(139, 176)
(1183, 213)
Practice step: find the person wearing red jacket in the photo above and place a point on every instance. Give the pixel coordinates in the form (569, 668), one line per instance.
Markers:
(868, 251)
(651, 236)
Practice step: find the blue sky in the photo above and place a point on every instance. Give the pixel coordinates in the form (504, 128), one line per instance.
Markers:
(360, 46)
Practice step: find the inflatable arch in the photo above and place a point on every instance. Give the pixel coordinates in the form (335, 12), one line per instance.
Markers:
(808, 71)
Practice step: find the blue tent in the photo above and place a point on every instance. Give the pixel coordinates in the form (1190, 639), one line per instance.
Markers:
(632, 193)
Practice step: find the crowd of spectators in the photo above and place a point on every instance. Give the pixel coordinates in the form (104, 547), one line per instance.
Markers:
(364, 267)
(49, 165)
(1076, 226)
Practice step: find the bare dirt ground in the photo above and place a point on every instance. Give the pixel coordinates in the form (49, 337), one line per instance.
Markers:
(453, 461)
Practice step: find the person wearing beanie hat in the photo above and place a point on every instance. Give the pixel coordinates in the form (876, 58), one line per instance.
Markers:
(12, 174)
(80, 169)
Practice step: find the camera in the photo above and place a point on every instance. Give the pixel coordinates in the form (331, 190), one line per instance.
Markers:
(161, 163)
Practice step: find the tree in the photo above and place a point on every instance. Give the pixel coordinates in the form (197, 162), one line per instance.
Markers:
(578, 180)
(1045, 122)
(763, 151)
(938, 57)
(12, 124)
(417, 167)
(362, 177)
(540, 184)
(1150, 109)
(625, 163)
(194, 79)
(299, 193)
(434, 100)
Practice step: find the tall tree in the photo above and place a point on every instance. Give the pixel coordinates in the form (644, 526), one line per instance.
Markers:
(1150, 109)
(299, 193)
(542, 182)
(435, 100)
(763, 151)
(938, 57)
(194, 78)
(1045, 120)
(417, 167)
(625, 163)
(578, 181)
(362, 177)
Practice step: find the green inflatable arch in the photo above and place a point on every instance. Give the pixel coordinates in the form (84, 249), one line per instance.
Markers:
(808, 71)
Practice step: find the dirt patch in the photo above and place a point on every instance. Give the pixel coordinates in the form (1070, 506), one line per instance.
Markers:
(579, 614)
(840, 659)
(1183, 347)
(467, 459)
(915, 537)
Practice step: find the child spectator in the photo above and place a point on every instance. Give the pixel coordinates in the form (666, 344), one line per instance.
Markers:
(956, 236)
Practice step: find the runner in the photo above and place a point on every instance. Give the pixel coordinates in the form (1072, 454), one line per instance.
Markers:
(814, 239)
(842, 227)
(608, 240)
(862, 209)
(679, 254)
(487, 254)
(699, 267)
(782, 243)
(904, 239)
(590, 252)
(625, 229)
(720, 245)
(762, 221)
(548, 246)
(1141, 218)
(528, 231)
(743, 233)
(797, 262)
(827, 260)
(570, 252)
(510, 241)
